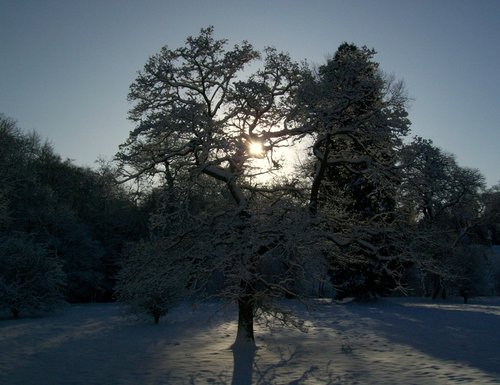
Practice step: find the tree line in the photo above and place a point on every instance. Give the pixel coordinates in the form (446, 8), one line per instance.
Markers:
(197, 205)
(62, 227)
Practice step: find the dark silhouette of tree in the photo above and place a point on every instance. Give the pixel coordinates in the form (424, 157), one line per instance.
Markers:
(359, 118)
(445, 202)
(31, 281)
(197, 118)
(78, 215)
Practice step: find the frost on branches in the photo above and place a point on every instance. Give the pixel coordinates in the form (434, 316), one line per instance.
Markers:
(445, 203)
(197, 115)
(152, 279)
(202, 118)
(358, 118)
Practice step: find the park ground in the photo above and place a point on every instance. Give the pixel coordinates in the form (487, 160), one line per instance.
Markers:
(391, 341)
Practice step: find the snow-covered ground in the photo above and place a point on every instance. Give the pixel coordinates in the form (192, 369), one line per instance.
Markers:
(393, 341)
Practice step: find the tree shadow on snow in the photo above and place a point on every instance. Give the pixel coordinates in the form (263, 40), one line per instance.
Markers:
(449, 332)
(250, 369)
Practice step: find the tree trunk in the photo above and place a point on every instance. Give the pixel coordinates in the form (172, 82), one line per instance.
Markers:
(246, 308)
(245, 321)
(439, 287)
(156, 315)
(318, 178)
(15, 312)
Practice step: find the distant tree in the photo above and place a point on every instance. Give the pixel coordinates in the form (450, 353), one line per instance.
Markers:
(439, 188)
(16, 154)
(4, 205)
(491, 227)
(491, 215)
(116, 219)
(81, 255)
(197, 117)
(80, 214)
(31, 280)
(445, 201)
(358, 118)
(89, 222)
(44, 206)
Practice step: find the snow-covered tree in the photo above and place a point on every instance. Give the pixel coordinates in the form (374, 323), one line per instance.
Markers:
(14, 154)
(358, 118)
(152, 278)
(437, 186)
(202, 118)
(491, 215)
(444, 200)
(77, 213)
(31, 280)
(272, 255)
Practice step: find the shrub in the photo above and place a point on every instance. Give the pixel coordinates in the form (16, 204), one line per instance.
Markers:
(150, 280)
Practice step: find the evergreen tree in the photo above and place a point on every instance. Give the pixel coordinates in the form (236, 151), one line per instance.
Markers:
(359, 117)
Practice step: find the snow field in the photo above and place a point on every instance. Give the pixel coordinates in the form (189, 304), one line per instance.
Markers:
(393, 341)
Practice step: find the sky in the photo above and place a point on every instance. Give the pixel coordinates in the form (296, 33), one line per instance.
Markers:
(66, 66)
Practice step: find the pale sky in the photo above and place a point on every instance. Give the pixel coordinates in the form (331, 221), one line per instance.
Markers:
(66, 65)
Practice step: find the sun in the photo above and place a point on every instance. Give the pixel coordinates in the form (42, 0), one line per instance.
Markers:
(256, 148)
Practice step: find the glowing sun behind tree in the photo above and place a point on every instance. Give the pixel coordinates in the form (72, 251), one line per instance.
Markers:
(256, 148)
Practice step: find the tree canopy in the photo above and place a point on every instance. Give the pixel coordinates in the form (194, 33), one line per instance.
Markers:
(198, 113)
(203, 199)
(74, 216)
